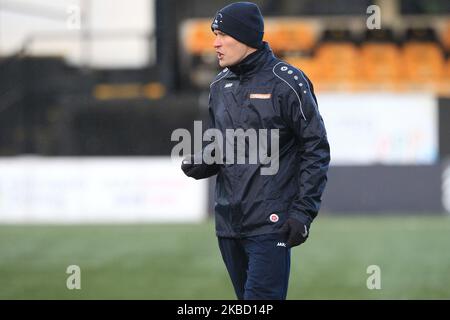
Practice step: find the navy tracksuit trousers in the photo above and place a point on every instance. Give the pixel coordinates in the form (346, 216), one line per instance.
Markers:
(258, 266)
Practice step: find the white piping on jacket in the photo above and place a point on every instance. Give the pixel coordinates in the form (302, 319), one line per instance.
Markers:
(301, 110)
(228, 71)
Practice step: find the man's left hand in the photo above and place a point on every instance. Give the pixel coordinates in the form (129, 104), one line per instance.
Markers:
(297, 232)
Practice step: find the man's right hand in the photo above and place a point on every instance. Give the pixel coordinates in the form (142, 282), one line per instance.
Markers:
(198, 170)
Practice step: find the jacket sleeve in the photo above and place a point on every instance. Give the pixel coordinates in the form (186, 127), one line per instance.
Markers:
(210, 169)
(198, 169)
(302, 114)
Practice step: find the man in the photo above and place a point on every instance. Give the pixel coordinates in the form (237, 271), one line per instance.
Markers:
(260, 217)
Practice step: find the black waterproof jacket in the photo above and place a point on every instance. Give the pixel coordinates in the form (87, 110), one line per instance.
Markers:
(263, 92)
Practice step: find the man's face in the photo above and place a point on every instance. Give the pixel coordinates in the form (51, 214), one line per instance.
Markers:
(229, 50)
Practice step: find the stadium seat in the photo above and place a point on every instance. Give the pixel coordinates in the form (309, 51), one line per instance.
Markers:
(380, 65)
(423, 62)
(339, 62)
(337, 51)
(289, 36)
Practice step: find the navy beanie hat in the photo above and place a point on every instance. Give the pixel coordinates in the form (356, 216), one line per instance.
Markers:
(243, 21)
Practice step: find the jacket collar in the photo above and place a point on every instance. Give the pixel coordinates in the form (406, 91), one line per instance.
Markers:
(253, 62)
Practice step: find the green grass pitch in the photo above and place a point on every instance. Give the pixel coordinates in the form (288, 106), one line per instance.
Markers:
(158, 261)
